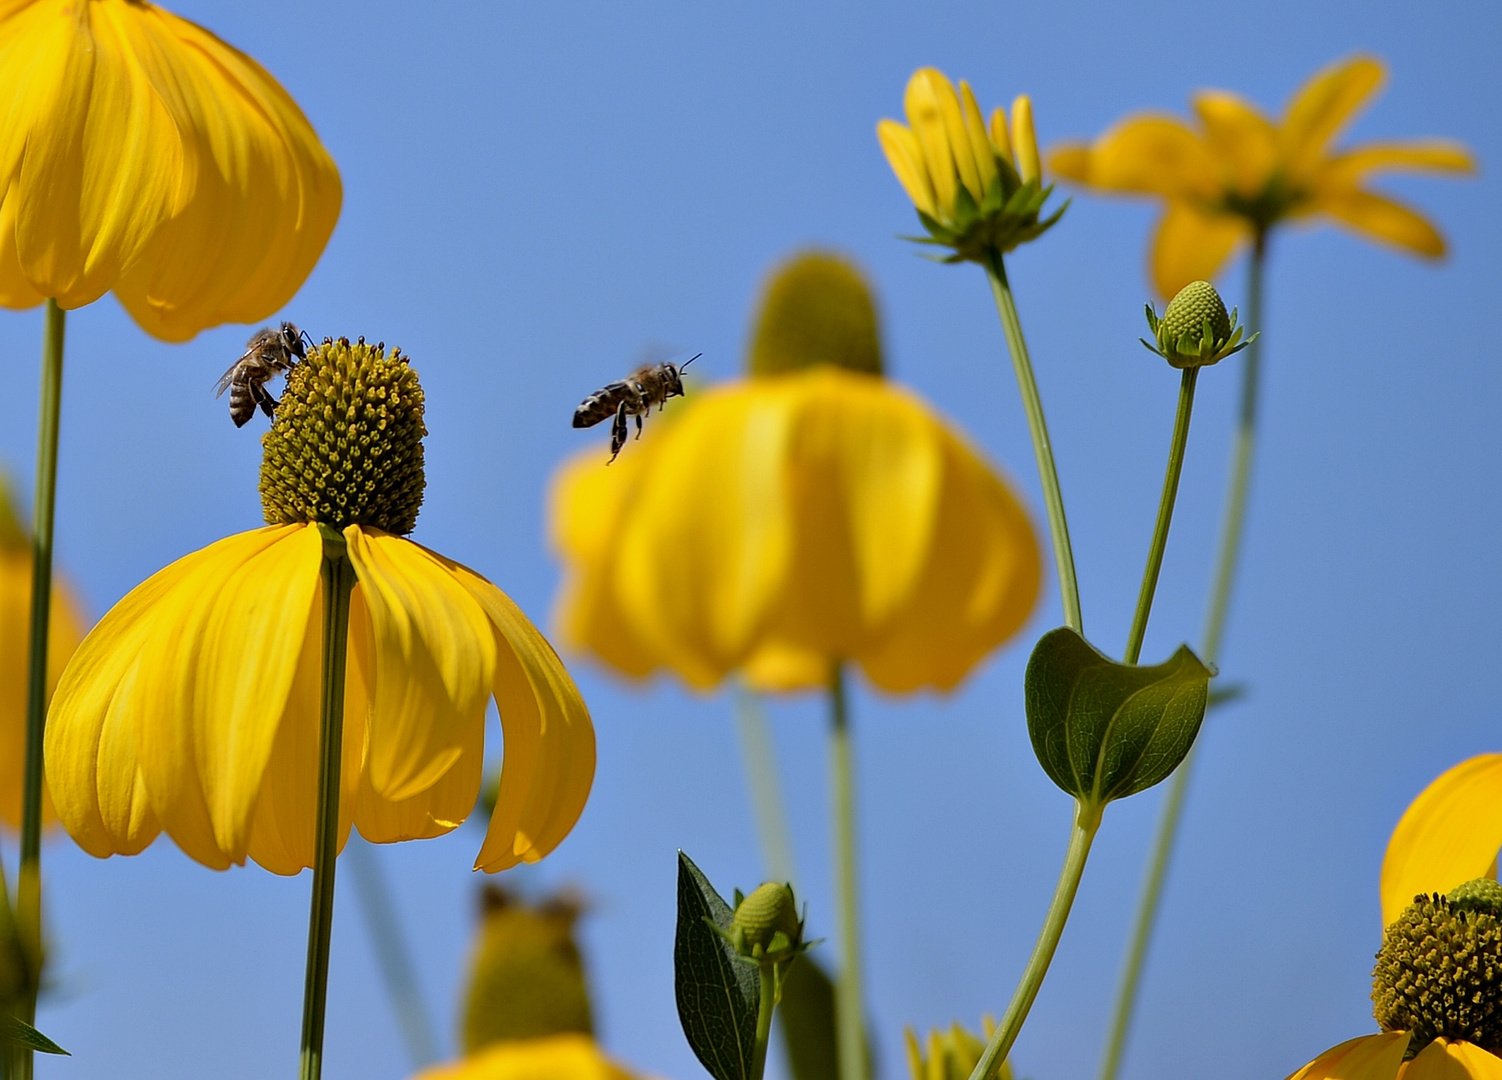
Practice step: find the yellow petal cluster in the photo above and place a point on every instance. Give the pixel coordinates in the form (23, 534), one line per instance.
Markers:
(1448, 835)
(554, 1057)
(1236, 173)
(780, 524)
(948, 147)
(193, 707)
(1380, 1057)
(141, 154)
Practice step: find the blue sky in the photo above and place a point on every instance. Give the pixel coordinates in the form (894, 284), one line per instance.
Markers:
(537, 193)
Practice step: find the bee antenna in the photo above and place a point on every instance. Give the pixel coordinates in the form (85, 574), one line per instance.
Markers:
(684, 366)
(305, 336)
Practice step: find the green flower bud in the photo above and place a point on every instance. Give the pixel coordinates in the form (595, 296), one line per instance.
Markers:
(765, 926)
(1195, 330)
(1439, 973)
(817, 309)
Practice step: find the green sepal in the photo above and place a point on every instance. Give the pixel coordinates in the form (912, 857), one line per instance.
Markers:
(17, 1032)
(1103, 730)
(718, 995)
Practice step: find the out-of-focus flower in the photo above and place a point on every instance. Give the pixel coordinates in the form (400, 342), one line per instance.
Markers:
(552, 1057)
(977, 190)
(64, 632)
(784, 523)
(194, 705)
(1237, 175)
(952, 1054)
(141, 154)
(1450, 834)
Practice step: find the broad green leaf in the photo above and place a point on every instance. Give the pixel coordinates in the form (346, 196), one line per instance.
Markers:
(718, 992)
(17, 1032)
(807, 1020)
(1104, 730)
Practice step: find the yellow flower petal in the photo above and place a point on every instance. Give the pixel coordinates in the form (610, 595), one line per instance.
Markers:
(549, 760)
(1192, 245)
(1323, 106)
(1070, 161)
(435, 656)
(955, 132)
(905, 156)
(1448, 835)
(553, 1057)
(1149, 155)
(979, 141)
(1025, 139)
(1371, 1057)
(16, 290)
(1241, 137)
(1377, 217)
(1445, 1060)
(779, 667)
(1427, 155)
(924, 103)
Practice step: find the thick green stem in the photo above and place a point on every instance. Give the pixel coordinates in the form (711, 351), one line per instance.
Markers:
(1048, 474)
(1227, 560)
(29, 879)
(1165, 515)
(850, 1013)
(338, 582)
(1086, 822)
(769, 995)
(766, 792)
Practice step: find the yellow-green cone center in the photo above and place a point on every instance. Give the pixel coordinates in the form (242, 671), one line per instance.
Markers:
(817, 309)
(1439, 973)
(345, 447)
(768, 910)
(1188, 311)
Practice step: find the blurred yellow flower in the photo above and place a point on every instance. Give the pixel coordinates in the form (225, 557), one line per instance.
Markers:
(141, 154)
(782, 523)
(1450, 834)
(552, 1057)
(1239, 174)
(63, 633)
(194, 706)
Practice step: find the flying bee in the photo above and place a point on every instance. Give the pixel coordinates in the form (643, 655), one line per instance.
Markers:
(271, 351)
(634, 396)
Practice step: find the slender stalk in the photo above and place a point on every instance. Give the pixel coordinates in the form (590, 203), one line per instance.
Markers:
(766, 792)
(1086, 822)
(769, 995)
(1053, 498)
(392, 954)
(850, 1012)
(29, 879)
(1227, 560)
(1165, 515)
(338, 581)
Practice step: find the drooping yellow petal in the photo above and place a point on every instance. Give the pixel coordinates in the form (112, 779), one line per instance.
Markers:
(1426, 155)
(979, 141)
(1377, 217)
(16, 290)
(1445, 1060)
(924, 104)
(905, 156)
(435, 657)
(554, 1057)
(1025, 139)
(1370, 1057)
(549, 760)
(1192, 245)
(780, 667)
(1448, 835)
(1241, 138)
(1323, 106)
(1145, 154)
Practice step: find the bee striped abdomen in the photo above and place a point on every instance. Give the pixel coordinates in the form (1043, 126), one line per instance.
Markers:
(605, 402)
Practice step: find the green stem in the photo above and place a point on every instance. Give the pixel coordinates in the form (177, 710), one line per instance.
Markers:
(769, 995)
(850, 1010)
(766, 793)
(1086, 822)
(29, 879)
(338, 582)
(1048, 474)
(1227, 560)
(1165, 515)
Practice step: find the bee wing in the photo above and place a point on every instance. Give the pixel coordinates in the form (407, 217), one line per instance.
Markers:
(228, 377)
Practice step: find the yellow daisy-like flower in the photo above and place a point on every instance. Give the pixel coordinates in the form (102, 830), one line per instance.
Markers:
(783, 523)
(553, 1057)
(1450, 834)
(141, 154)
(1234, 177)
(64, 632)
(1380, 1057)
(193, 707)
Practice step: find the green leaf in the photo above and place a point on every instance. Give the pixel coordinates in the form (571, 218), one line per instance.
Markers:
(718, 993)
(17, 1032)
(806, 1019)
(1104, 730)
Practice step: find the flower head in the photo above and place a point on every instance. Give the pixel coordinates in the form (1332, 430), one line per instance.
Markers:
(1195, 330)
(141, 154)
(1448, 835)
(193, 706)
(1238, 173)
(978, 189)
(784, 523)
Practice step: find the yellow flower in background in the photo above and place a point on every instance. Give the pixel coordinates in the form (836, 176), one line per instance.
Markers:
(783, 523)
(193, 707)
(141, 154)
(1450, 834)
(977, 187)
(951, 1054)
(1236, 175)
(552, 1057)
(64, 632)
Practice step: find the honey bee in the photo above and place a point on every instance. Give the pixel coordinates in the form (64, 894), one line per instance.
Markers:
(270, 352)
(634, 396)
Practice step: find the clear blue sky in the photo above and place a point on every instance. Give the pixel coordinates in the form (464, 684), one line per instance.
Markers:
(536, 193)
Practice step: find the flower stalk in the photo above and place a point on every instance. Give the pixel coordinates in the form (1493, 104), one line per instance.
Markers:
(850, 1033)
(771, 990)
(1048, 474)
(338, 582)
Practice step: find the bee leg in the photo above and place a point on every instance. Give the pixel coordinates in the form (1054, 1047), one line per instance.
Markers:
(618, 432)
(638, 424)
(267, 403)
